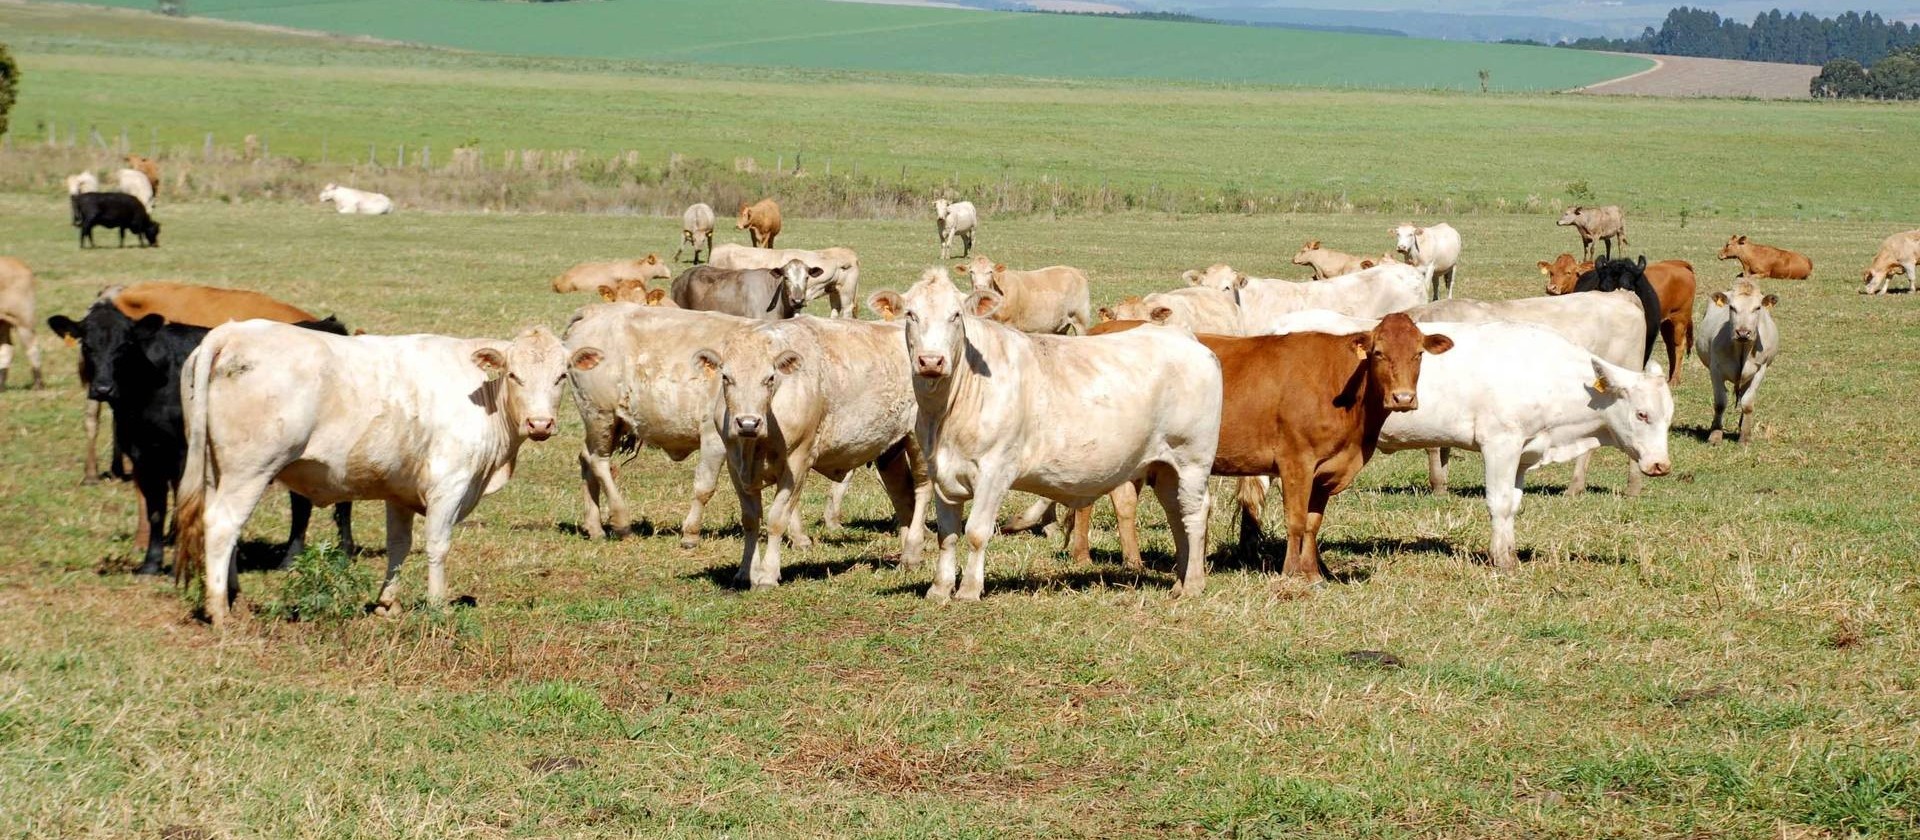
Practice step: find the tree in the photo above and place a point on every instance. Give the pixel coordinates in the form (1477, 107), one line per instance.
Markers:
(1896, 77)
(1841, 78)
(9, 85)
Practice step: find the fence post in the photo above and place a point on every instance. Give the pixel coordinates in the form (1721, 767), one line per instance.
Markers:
(206, 149)
(125, 146)
(93, 132)
(53, 134)
(153, 142)
(323, 148)
(371, 160)
(400, 157)
(426, 157)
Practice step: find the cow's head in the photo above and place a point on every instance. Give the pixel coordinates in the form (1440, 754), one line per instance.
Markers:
(940, 206)
(1880, 274)
(1736, 245)
(935, 312)
(530, 369)
(153, 233)
(791, 294)
(746, 215)
(1406, 237)
(1563, 273)
(1392, 352)
(1220, 277)
(113, 348)
(1306, 255)
(1638, 409)
(328, 192)
(1746, 308)
(984, 273)
(750, 368)
(625, 291)
(1572, 216)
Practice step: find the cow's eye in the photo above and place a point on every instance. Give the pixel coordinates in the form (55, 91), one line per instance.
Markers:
(769, 379)
(513, 377)
(725, 379)
(956, 317)
(1642, 417)
(913, 316)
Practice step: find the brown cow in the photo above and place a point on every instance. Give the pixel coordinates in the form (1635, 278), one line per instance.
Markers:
(1327, 262)
(1757, 260)
(590, 276)
(149, 167)
(1307, 407)
(1672, 280)
(761, 221)
(636, 291)
(16, 317)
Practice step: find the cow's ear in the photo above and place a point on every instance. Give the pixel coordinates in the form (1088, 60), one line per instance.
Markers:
(707, 362)
(1161, 315)
(1366, 264)
(815, 271)
(1361, 345)
(788, 363)
(653, 259)
(1605, 380)
(491, 362)
(609, 294)
(1719, 298)
(1105, 313)
(586, 358)
(960, 268)
(1769, 301)
(1436, 344)
(982, 303)
(1192, 276)
(999, 268)
(887, 302)
(1239, 280)
(1313, 244)
(656, 297)
(65, 327)
(148, 326)
(1743, 239)
(1546, 268)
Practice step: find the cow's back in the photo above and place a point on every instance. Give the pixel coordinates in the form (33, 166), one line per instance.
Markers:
(1500, 379)
(202, 306)
(1610, 325)
(648, 377)
(16, 292)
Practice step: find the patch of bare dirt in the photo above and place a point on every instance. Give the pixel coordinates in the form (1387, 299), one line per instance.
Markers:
(1681, 77)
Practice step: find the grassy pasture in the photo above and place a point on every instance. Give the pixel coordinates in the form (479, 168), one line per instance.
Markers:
(169, 83)
(1732, 654)
(841, 36)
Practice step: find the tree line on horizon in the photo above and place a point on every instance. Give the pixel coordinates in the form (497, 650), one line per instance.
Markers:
(1785, 38)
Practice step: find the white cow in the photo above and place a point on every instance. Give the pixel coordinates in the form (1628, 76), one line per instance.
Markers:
(84, 182)
(1737, 342)
(1435, 250)
(1899, 252)
(349, 201)
(1043, 300)
(427, 424)
(954, 219)
(1067, 418)
(696, 229)
(1370, 293)
(821, 395)
(1521, 396)
(1198, 310)
(833, 273)
(133, 182)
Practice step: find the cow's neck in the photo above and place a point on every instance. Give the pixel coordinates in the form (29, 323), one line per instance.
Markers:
(505, 439)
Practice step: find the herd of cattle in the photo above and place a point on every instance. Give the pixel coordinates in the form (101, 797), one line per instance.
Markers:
(962, 391)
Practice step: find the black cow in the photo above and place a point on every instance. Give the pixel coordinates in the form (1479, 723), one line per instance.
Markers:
(136, 370)
(114, 210)
(1610, 275)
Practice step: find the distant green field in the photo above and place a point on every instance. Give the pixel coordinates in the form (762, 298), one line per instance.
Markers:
(848, 36)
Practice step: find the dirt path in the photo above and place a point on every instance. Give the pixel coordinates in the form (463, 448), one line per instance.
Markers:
(1681, 76)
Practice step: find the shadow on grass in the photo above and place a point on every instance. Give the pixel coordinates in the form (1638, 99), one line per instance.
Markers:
(721, 576)
(642, 529)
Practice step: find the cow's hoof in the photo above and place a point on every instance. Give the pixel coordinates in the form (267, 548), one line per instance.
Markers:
(150, 568)
(799, 541)
(387, 609)
(620, 532)
(1576, 490)
(966, 595)
(89, 480)
(765, 587)
(689, 541)
(1716, 436)
(938, 595)
(1439, 490)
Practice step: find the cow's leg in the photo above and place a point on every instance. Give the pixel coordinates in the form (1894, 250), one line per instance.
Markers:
(399, 543)
(1636, 482)
(1252, 496)
(1126, 514)
(1437, 470)
(140, 536)
(90, 420)
(1506, 479)
(946, 247)
(590, 497)
(1911, 277)
(836, 497)
(443, 512)
(1296, 493)
(1747, 396)
(1080, 535)
(226, 507)
(1714, 434)
(302, 512)
(980, 527)
(706, 478)
(1578, 484)
(796, 534)
(750, 516)
(909, 503)
(1316, 513)
(1185, 496)
(966, 240)
(947, 524)
(1674, 334)
(343, 524)
(783, 516)
(1450, 283)
(153, 496)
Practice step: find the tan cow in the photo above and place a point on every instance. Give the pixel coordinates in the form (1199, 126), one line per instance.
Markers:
(696, 229)
(1898, 253)
(1604, 224)
(1757, 260)
(1199, 309)
(590, 276)
(1327, 262)
(150, 168)
(16, 317)
(761, 221)
(1044, 300)
(636, 291)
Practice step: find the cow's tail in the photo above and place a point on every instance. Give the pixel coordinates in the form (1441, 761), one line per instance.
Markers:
(189, 517)
(1623, 235)
(1650, 306)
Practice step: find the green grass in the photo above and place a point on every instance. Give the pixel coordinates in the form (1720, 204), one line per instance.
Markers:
(1729, 654)
(167, 84)
(842, 36)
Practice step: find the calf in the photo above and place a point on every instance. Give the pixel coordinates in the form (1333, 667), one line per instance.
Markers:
(1044, 300)
(1067, 418)
(114, 210)
(1672, 282)
(1898, 253)
(696, 229)
(1306, 407)
(1738, 341)
(755, 293)
(1199, 310)
(1370, 293)
(833, 273)
(812, 394)
(16, 318)
(1327, 262)
(1434, 250)
(1757, 260)
(1604, 224)
(636, 291)
(427, 424)
(954, 219)
(590, 276)
(761, 221)
(135, 368)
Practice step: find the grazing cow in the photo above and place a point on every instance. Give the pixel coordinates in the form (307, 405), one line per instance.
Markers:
(761, 221)
(117, 211)
(348, 201)
(426, 423)
(16, 318)
(1672, 282)
(1434, 250)
(951, 220)
(135, 368)
(1523, 396)
(1327, 262)
(1044, 300)
(1067, 418)
(1306, 407)
(1371, 293)
(1604, 224)
(134, 183)
(833, 273)
(696, 229)
(590, 276)
(149, 167)
(754, 293)
(1197, 309)
(1737, 343)
(814, 394)
(84, 182)
(636, 291)
(1757, 260)
(1898, 253)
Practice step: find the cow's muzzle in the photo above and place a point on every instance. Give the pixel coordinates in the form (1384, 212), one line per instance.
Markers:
(1743, 334)
(540, 428)
(930, 365)
(1403, 401)
(1657, 468)
(747, 427)
(101, 393)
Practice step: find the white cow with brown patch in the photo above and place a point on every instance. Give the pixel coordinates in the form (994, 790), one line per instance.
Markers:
(1044, 300)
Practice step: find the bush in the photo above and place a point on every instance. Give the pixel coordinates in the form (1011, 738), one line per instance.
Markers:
(9, 85)
(1841, 79)
(324, 585)
(1896, 77)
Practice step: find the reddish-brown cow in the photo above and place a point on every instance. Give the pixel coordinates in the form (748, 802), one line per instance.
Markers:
(761, 221)
(1757, 260)
(1307, 407)
(1672, 280)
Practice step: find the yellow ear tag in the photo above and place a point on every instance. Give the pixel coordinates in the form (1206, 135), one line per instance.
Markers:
(69, 340)
(1600, 385)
